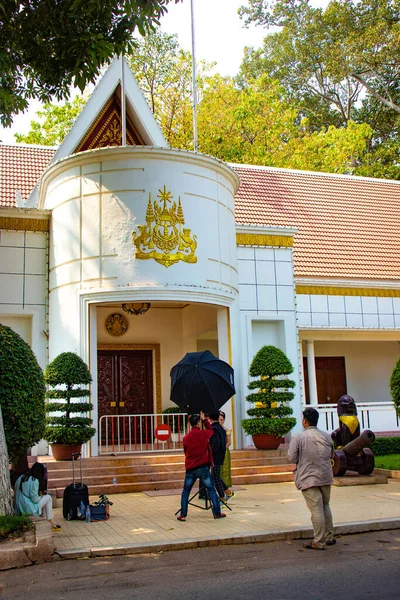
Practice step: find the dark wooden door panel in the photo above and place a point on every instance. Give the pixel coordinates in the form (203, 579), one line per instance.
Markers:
(107, 399)
(331, 378)
(135, 379)
(125, 382)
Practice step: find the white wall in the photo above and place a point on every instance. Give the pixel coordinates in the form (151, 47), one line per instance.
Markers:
(267, 312)
(361, 312)
(369, 366)
(99, 198)
(23, 287)
(266, 280)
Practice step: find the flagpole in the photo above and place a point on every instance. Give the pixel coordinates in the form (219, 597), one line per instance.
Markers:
(194, 88)
(123, 103)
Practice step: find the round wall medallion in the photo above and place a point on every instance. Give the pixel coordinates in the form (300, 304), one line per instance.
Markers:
(117, 324)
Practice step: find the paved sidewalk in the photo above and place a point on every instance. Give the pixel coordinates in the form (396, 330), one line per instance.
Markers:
(141, 523)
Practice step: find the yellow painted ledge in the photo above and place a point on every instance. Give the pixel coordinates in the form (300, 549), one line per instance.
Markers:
(347, 291)
(263, 239)
(24, 224)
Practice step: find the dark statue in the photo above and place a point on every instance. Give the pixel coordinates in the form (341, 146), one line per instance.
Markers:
(351, 448)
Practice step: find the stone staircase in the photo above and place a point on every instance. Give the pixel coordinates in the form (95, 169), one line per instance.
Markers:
(143, 472)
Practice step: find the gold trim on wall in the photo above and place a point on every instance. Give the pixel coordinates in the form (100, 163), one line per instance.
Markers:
(24, 224)
(262, 239)
(320, 290)
(157, 364)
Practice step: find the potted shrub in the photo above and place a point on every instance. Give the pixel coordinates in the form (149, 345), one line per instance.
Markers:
(271, 416)
(68, 426)
(176, 422)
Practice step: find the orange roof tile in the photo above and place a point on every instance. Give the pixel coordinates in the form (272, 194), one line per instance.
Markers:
(348, 227)
(20, 168)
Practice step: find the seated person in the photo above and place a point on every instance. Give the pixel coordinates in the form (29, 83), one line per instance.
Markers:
(30, 497)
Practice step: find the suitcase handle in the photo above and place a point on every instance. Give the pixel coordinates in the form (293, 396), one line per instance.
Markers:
(76, 454)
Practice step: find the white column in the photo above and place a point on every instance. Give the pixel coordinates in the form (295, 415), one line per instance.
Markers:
(223, 334)
(312, 376)
(94, 443)
(224, 353)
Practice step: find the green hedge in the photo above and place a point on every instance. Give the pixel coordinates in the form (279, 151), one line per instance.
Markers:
(14, 525)
(22, 393)
(386, 445)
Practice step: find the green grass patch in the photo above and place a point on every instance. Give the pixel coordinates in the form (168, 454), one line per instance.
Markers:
(391, 461)
(14, 526)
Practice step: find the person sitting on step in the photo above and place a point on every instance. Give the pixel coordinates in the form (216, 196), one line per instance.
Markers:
(30, 496)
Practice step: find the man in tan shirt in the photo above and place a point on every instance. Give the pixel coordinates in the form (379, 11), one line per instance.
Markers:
(312, 451)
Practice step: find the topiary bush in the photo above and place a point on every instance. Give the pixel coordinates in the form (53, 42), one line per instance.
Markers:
(22, 393)
(395, 386)
(271, 414)
(66, 374)
(177, 420)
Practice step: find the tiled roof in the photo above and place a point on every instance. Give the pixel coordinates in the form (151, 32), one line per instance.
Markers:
(348, 227)
(20, 168)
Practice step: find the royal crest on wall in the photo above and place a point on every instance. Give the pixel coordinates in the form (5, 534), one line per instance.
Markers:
(164, 238)
(117, 324)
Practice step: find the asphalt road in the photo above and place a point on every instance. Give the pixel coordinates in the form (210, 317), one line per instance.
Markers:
(359, 567)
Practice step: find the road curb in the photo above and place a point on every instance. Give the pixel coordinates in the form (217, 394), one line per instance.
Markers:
(297, 533)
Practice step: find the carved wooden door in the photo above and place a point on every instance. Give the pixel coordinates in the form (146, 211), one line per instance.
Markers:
(331, 379)
(125, 385)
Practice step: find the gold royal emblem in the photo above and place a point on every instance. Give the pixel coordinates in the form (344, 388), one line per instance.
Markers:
(164, 238)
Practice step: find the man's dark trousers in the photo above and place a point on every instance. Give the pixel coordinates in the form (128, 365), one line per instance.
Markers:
(202, 473)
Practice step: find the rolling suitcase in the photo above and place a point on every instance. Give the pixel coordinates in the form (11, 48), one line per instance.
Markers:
(74, 494)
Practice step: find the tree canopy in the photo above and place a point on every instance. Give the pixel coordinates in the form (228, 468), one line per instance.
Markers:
(337, 65)
(47, 46)
(262, 116)
(163, 71)
(53, 124)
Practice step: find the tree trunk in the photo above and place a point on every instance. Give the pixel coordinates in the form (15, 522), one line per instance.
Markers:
(6, 505)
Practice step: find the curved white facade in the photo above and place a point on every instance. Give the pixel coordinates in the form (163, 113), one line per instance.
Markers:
(99, 198)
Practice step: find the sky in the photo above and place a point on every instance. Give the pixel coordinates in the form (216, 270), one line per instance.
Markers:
(219, 34)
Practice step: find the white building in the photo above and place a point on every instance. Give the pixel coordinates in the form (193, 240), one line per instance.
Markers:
(241, 256)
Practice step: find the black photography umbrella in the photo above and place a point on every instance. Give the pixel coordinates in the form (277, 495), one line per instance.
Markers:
(201, 381)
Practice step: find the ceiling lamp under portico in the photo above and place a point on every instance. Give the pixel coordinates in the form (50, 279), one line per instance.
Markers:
(136, 308)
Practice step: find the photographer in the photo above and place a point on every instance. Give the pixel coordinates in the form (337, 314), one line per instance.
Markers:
(198, 459)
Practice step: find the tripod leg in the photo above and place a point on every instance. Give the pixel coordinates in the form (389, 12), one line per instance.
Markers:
(223, 501)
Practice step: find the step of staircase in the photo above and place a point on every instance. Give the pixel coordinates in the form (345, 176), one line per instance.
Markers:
(144, 472)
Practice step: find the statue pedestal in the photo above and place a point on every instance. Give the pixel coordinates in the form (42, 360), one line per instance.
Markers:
(354, 479)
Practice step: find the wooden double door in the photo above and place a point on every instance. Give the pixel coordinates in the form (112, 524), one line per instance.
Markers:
(125, 382)
(331, 379)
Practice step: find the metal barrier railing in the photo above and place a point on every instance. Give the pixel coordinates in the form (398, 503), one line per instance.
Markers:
(119, 434)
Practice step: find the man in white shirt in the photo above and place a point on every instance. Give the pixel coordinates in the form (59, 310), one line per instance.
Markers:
(312, 451)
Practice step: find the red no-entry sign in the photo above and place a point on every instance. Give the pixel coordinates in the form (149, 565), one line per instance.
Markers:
(163, 432)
